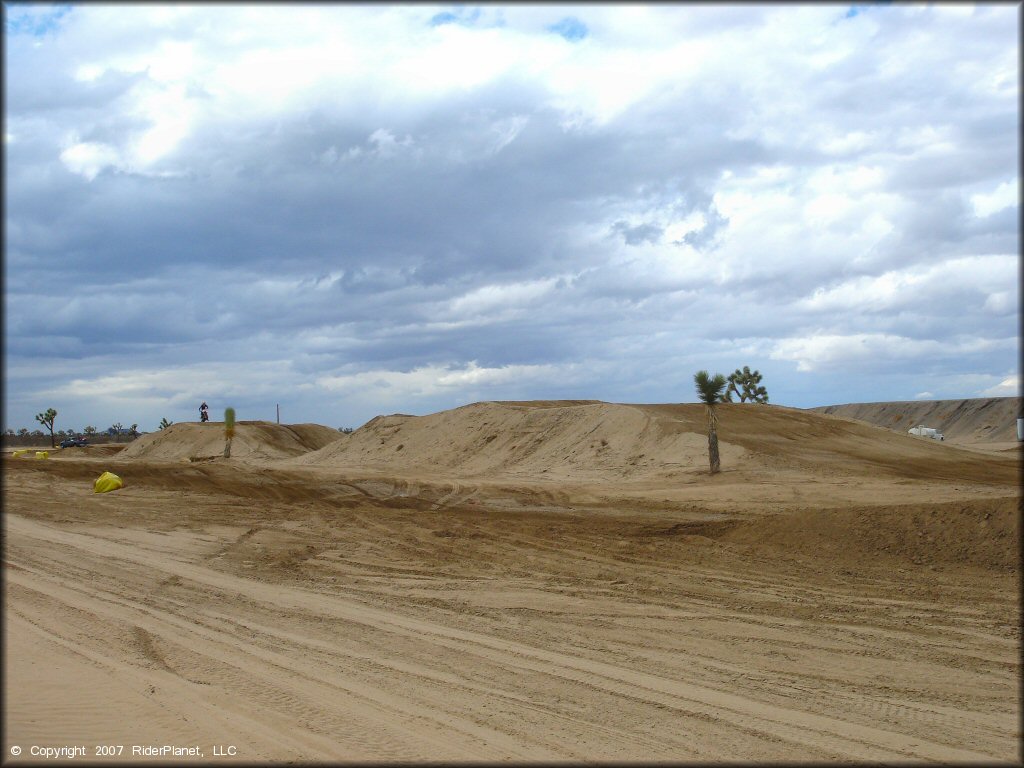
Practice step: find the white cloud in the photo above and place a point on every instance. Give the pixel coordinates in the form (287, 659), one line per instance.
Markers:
(1008, 387)
(385, 143)
(89, 159)
(505, 131)
(1007, 194)
(170, 114)
(924, 396)
(855, 350)
(853, 141)
(431, 380)
(826, 208)
(500, 298)
(918, 286)
(174, 387)
(1002, 302)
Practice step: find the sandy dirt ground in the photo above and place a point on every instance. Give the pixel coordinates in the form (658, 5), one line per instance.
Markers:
(506, 586)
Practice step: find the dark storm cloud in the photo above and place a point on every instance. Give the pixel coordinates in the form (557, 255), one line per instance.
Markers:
(642, 233)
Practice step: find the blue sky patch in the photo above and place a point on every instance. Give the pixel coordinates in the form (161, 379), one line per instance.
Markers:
(571, 28)
(33, 20)
(459, 17)
(856, 10)
(443, 18)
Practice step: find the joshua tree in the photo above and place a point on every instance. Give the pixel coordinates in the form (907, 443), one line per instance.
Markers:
(164, 423)
(46, 419)
(135, 430)
(229, 430)
(711, 391)
(89, 430)
(749, 382)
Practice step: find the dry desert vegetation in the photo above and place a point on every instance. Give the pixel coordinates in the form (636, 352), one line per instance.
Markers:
(530, 581)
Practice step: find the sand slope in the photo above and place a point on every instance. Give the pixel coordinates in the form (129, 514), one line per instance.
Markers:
(252, 440)
(589, 440)
(985, 419)
(558, 439)
(586, 441)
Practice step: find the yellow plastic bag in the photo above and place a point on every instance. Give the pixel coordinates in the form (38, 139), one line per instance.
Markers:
(108, 481)
(19, 452)
(42, 454)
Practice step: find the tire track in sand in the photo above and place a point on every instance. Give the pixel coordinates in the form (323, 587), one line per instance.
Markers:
(820, 733)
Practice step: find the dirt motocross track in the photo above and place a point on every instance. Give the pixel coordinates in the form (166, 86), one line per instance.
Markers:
(543, 581)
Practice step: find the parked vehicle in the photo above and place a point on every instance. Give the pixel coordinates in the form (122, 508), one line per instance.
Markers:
(74, 442)
(921, 431)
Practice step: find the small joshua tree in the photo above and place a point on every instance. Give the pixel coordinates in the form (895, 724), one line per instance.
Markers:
(164, 423)
(749, 383)
(46, 419)
(229, 430)
(711, 391)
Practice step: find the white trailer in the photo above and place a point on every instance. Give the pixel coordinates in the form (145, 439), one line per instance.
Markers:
(922, 431)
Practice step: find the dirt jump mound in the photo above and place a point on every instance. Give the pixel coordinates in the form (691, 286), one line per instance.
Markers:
(193, 441)
(592, 439)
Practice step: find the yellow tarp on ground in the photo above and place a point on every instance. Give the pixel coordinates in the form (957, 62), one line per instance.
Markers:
(108, 481)
(20, 452)
(42, 454)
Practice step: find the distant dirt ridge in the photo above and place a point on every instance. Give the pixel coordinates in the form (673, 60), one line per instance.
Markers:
(974, 420)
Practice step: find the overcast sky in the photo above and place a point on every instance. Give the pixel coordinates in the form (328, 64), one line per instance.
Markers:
(351, 210)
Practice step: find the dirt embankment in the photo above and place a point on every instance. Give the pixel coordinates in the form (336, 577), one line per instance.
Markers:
(975, 420)
(611, 441)
(590, 442)
(192, 441)
(782, 451)
(546, 440)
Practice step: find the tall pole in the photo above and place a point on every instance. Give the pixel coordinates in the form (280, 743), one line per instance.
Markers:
(278, 413)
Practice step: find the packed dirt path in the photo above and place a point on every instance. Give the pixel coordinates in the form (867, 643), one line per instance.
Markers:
(305, 613)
